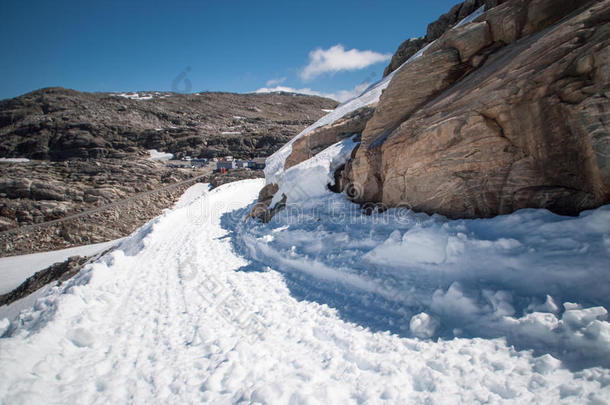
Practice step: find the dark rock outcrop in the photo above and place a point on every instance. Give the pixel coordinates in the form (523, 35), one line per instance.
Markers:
(57, 272)
(218, 179)
(405, 50)
(519, 116)
(436, 29)
(38, 191)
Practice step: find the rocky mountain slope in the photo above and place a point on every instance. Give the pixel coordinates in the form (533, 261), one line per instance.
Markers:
(59, 124)
(507, 111)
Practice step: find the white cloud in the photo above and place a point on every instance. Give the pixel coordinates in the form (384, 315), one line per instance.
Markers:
(341, 95)
(275, 82)
(336, 58)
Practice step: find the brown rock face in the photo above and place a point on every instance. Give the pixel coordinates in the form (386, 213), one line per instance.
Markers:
(484, 124)
(327, 135)
(400, 99)
(61, 124)
(467, 40)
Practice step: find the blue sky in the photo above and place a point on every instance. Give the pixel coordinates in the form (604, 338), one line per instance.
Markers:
(237, 46)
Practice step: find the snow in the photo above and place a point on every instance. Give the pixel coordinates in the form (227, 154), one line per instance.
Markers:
(156, 155)
(192, 194)
(12, 310)
(140, 96)
(200, 306)
(14, 270)
(429, 276)
(309, 179)
(14, 160)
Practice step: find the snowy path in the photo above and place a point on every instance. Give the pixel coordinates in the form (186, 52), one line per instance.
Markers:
(166, 319)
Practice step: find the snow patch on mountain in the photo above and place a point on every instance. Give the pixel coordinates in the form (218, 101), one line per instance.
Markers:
(156, 155)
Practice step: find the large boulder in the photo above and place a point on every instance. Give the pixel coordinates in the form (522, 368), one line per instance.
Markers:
(261, 210)
(517, 117)
(401, 98)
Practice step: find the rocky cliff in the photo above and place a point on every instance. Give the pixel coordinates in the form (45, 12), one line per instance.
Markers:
(510, 111)
(507, 111)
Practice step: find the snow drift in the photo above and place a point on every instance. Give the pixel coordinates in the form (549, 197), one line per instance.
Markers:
(197, 307)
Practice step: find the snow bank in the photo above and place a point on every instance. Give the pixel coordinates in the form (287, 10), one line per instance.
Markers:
(14, 160)
(310, 179)
(426, 276)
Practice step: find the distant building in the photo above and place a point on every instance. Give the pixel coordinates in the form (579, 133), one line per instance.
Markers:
(197, 162)
(225, 165)
(257, 163)
(193, 163)
(179, 164)
(240, 164)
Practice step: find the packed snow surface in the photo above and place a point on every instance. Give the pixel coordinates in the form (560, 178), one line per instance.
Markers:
(14, 160)
(323, 305)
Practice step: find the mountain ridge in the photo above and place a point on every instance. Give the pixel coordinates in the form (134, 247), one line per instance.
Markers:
(58, 124)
